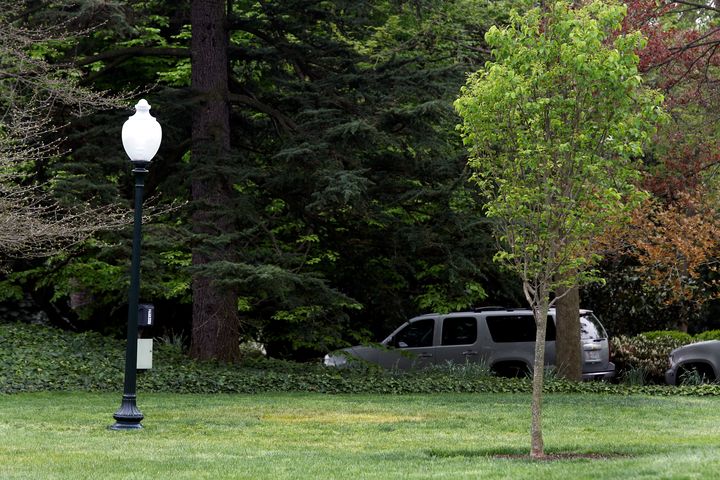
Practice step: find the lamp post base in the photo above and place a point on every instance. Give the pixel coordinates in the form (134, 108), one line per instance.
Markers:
(128, 417)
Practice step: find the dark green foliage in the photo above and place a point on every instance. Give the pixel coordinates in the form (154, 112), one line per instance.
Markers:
(345, 206)
(709, 335)
(41, 358)
(623, 303)
(350, 209)
(628, 305)
(666, 335)
(35, 358)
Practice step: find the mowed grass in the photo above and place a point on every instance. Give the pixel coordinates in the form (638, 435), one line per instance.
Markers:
(314, 436)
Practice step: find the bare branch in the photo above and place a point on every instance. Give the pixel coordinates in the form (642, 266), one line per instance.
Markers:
(699, 6)
(32, 224)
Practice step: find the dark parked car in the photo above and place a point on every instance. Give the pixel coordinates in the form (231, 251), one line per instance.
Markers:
(697, 362)
(502, 338)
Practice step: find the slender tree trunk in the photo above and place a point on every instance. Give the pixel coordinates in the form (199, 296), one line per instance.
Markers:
(568, 352)
(537, 446)
(539, 302)
(215, 323)
(683, 322)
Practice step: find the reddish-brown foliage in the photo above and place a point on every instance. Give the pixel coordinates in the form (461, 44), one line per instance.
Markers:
(679, 60)
(676, 246)
(682, 62)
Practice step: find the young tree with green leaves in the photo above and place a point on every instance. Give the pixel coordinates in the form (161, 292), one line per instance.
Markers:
(555, 125)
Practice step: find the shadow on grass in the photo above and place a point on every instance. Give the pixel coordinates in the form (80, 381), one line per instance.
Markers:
(523, 454)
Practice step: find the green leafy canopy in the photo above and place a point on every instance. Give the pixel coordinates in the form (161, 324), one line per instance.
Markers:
(555, 126)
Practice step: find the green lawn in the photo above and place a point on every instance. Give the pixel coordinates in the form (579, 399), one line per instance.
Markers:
(297, 436)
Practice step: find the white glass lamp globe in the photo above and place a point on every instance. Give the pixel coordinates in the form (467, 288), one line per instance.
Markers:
(141, 134)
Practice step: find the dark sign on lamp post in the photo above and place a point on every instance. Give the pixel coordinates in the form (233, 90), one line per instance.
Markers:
(141, 136)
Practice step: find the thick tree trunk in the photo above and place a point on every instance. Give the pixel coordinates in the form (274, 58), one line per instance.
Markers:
(568, 353)
(215, 333)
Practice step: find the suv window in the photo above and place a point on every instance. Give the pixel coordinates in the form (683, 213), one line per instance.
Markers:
(517, 328)
(459, 331)
(417, 334)
(591, 328)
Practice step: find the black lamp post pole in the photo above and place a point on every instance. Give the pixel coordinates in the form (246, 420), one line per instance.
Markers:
(128, 417)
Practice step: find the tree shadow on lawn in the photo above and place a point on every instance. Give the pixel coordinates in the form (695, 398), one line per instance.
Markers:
(523, 454)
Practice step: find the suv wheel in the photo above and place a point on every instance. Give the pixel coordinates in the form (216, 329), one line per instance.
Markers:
(695, 374)
(511, 369)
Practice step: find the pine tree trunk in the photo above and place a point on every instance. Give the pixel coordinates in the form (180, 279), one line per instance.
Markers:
(215, 333)
(568, 354)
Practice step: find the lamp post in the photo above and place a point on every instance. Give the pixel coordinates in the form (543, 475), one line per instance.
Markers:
(141, 136)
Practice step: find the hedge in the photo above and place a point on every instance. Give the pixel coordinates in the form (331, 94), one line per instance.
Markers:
(35, 358)
(649, 351)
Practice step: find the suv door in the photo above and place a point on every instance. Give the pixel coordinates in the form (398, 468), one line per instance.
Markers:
(512, 337)
(458, 340)
(412, 345)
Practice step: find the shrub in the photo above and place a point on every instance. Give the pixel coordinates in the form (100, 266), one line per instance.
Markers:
(647, 352)
(466, 370)
(692, 377)
(35, 358)
(634, 376)
(709, 335)
(664, 334)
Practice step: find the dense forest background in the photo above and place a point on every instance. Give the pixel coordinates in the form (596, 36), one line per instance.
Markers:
(311, 189)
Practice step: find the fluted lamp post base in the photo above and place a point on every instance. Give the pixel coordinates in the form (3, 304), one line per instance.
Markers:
(128, 417)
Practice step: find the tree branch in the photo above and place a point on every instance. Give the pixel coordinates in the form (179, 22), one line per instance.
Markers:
(144, 51)
(697, 5)
(285, 122)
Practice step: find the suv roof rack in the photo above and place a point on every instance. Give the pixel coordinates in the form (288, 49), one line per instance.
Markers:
(490, 309)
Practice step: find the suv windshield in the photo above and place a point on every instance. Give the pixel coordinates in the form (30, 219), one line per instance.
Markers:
(590, 327)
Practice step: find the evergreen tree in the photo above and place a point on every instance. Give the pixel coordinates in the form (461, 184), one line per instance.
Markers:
(338, 204)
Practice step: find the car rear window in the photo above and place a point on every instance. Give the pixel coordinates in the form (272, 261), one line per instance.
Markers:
(517, 328)
(590, 327)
